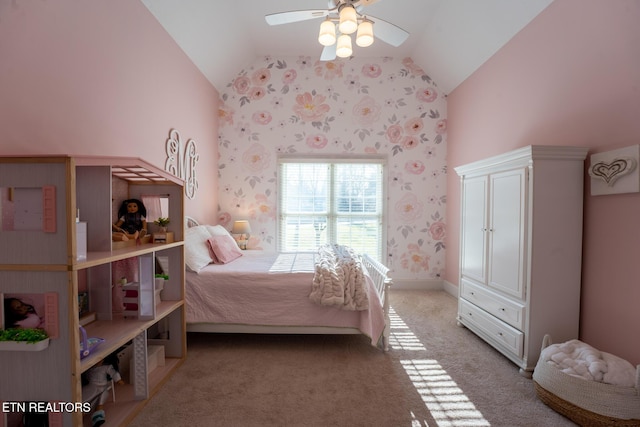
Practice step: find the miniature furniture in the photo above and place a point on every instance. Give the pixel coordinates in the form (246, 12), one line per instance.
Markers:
(521, 248)
(40, 255)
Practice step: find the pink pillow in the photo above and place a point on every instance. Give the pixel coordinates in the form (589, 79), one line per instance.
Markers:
(223, 249)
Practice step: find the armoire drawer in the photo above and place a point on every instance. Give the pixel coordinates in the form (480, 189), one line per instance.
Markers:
(499, 306)
(494, 329)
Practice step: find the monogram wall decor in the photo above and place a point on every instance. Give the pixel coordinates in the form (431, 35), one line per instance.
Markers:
(615, 172)
(182, 162)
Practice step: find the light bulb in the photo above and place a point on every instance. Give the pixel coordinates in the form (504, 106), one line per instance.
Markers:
(327, 35)
(348, 20)
(365, 33)
(344, 50)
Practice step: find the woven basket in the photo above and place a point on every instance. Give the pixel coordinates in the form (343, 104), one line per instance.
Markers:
(587, 403)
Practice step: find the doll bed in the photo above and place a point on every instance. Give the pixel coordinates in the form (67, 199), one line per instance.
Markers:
(268, 293)
(584, 401)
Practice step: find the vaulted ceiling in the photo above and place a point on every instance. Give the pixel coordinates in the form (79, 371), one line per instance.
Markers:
(449, 39)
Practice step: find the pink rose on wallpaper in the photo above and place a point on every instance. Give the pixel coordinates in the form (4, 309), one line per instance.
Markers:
(256, 93)
(371, 70)
(328, 69)
(261, 77)
(256, 158)
(441, 126)
(367, 111)
(225, 115)
(394, 133)
(427, 94)
(415, 260)
(224, 218)
(370, 150)
(412, 67)
(310, 108)
(262, 117)
(409, 142)
(409, 208)
(317, 141)
(413, 126)
(437, 230)
(415, 167)
(262, 210)
(289, 76)
(241, 84)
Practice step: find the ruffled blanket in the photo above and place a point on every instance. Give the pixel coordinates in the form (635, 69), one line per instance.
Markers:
(339, 279)
(581, 360)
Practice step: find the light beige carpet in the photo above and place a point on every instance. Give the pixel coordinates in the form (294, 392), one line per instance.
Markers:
(436, 374)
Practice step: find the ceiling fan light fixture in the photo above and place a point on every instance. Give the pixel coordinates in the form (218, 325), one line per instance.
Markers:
(348, 20)
(365, 33)
(327, 35)
(343, 49)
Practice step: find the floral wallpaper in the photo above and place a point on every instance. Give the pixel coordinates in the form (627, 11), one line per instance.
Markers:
(358, 106)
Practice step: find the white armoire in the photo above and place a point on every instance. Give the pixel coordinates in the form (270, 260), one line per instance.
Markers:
(521, 249)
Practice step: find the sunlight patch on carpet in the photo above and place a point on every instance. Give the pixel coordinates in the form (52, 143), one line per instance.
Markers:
(446, 402)
(401, 337)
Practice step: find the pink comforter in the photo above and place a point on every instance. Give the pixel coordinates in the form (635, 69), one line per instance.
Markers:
(271, 289)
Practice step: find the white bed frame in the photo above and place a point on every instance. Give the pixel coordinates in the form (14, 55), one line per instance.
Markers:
(376, 270)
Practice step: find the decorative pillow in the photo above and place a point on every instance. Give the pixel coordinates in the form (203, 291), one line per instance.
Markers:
(217, 230)
(224, 248)
(196, 250)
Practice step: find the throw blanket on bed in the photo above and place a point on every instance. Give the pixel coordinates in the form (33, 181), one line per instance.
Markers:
(339, 279)
(581, 360)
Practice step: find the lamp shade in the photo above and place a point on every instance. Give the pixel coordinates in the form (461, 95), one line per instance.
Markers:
(241, 227)
(365, 33)
(344, 50)
(327, 35)
(348, 20)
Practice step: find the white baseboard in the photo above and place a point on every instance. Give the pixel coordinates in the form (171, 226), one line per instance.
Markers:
(428, 285)
(450, 288)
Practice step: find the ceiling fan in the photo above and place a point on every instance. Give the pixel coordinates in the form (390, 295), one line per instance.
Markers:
(349, 16)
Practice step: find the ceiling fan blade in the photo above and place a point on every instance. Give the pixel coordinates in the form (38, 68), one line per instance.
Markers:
(388, 32)
(328, 53)
(295, 16)
(366, 2)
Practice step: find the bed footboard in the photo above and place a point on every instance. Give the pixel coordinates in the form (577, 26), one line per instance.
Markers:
(382, 283)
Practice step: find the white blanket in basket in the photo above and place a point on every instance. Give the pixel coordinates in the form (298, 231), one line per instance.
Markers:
(581, 360)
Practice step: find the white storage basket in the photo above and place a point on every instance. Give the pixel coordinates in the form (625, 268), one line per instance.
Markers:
(587, 403)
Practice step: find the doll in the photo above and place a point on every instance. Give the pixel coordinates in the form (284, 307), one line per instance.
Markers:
(132, 221)
(18, 314)
(97, 385)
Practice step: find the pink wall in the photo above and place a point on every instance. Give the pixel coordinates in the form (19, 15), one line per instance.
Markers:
(571, 77)
(102, 78)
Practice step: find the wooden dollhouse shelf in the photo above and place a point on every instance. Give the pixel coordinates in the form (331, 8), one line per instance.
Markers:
(120, 330)
(98, 258)
(42, 258)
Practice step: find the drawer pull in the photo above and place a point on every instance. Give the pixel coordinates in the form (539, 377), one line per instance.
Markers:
(501, 309)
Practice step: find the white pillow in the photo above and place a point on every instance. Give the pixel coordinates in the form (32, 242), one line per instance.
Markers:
(196, 249)
(217, 230)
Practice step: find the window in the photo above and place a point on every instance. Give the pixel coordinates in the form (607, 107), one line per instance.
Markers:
(331, 201)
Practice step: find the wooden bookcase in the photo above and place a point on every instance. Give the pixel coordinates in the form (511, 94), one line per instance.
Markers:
(44, 259)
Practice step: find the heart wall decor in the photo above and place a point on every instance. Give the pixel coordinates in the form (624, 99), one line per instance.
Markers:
(615, 171)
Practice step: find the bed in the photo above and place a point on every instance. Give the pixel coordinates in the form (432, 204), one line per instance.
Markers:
(269, 293)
